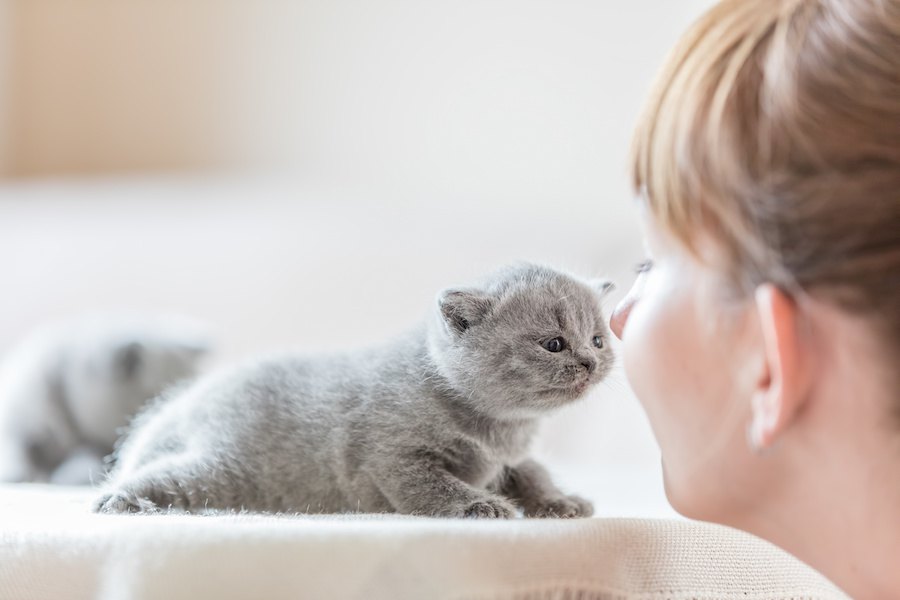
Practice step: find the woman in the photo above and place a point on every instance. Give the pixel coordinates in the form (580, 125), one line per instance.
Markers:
(763, 334)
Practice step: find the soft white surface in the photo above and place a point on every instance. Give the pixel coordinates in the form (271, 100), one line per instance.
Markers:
(51, 547)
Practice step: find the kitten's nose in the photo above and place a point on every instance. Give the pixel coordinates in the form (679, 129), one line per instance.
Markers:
(590, 364)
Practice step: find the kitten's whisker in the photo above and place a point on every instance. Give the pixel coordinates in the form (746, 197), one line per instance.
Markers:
(616, 386)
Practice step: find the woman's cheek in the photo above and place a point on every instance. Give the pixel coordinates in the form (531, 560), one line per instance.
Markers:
(680, 367)
(650, 351)
(665, 360)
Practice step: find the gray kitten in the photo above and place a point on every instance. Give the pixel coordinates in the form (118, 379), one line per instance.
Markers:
(68, 388)
(436, 423)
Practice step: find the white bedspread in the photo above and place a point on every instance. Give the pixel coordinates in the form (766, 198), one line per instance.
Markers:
(51, 546)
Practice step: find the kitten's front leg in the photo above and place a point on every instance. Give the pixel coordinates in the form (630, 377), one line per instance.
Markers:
(529, 484)
(419, 483)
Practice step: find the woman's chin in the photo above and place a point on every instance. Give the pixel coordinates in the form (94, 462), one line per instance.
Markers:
(693, 500)
(675, 495)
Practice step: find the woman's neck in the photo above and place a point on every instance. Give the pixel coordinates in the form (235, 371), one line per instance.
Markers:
(839, 511)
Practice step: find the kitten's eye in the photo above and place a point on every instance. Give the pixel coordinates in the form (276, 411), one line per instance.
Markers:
(597, 341)
(556, 344)
(643, 266)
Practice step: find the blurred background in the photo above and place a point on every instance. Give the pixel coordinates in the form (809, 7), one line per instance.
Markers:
(309, 173)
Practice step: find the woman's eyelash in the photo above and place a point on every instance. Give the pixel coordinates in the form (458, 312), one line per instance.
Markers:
(643, 266)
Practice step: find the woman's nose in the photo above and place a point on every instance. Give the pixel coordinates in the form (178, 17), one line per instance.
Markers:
(620, 315)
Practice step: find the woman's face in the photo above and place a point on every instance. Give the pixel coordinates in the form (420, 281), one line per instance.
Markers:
(688, 355)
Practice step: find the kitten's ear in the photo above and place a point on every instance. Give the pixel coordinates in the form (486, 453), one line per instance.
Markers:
(463, 308)
(604, 286)
(127, 359)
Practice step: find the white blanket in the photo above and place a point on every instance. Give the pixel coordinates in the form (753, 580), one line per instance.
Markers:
(52, 547)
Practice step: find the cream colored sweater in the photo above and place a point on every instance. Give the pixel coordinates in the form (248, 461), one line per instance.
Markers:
(52, 547)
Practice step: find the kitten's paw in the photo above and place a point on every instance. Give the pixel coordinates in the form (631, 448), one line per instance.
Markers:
(123, 502)
(491, 508)
(563, 507)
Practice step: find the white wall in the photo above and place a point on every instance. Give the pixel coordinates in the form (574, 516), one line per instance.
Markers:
(484, 97)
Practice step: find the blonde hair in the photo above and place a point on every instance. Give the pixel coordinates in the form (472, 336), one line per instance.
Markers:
(774, 127)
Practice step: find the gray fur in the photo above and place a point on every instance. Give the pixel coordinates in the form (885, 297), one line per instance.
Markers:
(67, 390)
(438, 422)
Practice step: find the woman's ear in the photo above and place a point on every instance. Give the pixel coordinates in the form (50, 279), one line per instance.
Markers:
(783, 384)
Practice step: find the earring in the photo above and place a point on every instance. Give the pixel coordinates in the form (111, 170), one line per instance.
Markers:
(755, 440)
(752, 439)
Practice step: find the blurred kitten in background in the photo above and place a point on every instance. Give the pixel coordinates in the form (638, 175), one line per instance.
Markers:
(68, 388)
